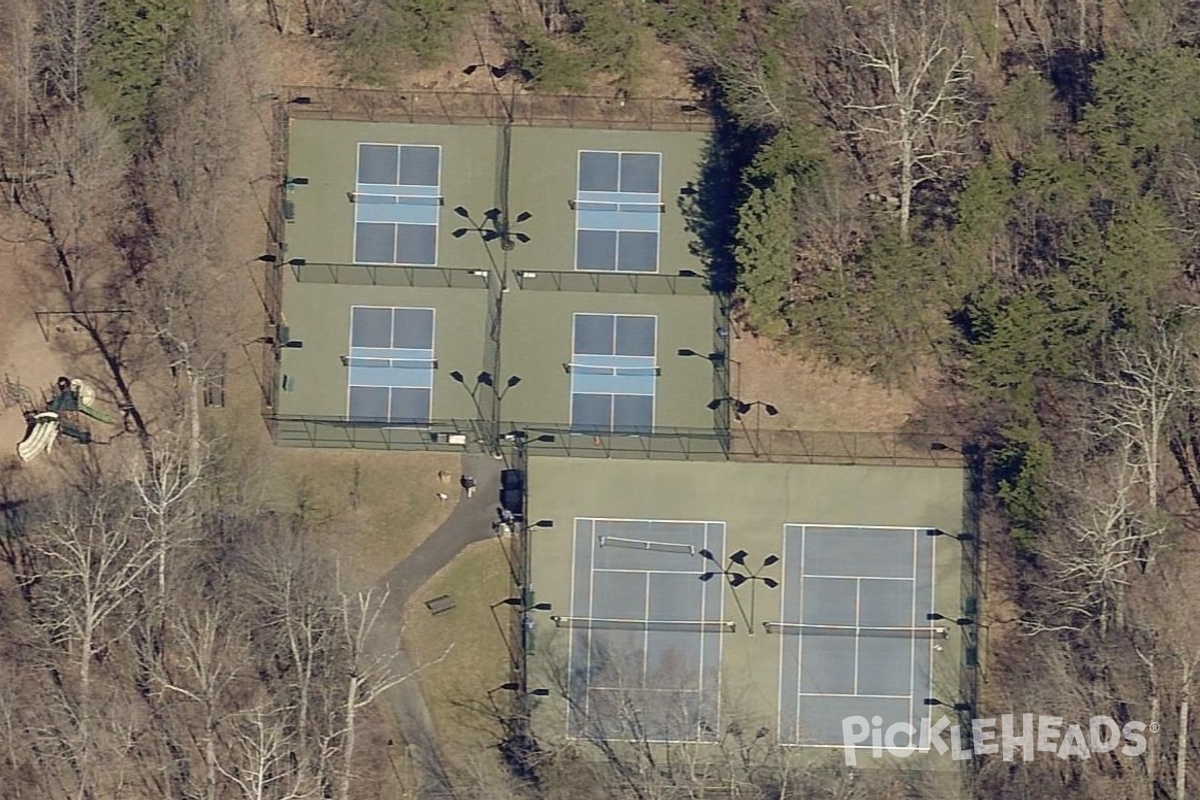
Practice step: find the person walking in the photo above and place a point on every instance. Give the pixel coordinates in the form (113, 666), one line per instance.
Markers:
(468, 484)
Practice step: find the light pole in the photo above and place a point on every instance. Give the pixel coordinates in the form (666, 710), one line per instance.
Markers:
(958, 537)
(485, 378)
(715, 358)
(494, 226)
(741, 408)
(961, 708)
(959, 621)
(740, 576)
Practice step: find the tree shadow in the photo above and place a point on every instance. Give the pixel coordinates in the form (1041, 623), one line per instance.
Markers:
(710, 205)
(1070, 73)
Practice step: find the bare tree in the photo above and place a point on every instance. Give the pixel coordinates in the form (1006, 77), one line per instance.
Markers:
(1141, 390)
(209, 654)
(369, 672)
(1105, 532)
(94, 562)
(260, 762)
(917, 107)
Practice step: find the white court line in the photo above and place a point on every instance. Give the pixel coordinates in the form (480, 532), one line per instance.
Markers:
(591, 602)
(857, 577)
(912, 664)
(648, 571)
(932, 599)
(783, 589)
(642, 689)
(571, 638)
(902, 750)
(847, 694)
(799, 642)
(721, 640)
(857, 629)
(652, 521)
(849, 527)
(703, 641)
(646, 635)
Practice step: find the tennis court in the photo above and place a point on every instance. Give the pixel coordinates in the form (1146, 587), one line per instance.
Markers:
(855, 638)
(644, 652)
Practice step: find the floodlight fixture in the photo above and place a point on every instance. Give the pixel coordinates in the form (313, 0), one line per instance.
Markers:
(458, 376)
(770, 409)
(462, 212)
(512, 381)
(524, 216)
(484, 378)
(739, 558)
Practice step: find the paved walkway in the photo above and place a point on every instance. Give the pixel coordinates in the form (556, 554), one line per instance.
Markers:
(470, 522)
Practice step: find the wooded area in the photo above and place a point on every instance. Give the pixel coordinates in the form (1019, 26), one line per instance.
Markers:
(995, 202)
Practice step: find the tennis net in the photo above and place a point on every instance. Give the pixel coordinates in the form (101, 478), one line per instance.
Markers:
(679, 625)
(801, 629)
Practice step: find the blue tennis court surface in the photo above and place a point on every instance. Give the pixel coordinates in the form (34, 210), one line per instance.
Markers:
(645, 635)
(856, 640)
(618, 211)
(391, 364)
(397, 200)
(614, 373)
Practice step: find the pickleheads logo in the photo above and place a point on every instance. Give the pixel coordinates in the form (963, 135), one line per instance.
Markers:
(1029, 734)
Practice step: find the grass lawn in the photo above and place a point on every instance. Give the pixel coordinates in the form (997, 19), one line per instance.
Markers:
(456, 690)
(370, 509)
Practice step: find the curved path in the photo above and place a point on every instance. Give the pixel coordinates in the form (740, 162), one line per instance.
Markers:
(469, 522)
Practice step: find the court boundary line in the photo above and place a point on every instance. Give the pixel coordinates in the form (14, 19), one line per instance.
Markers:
(783, 587)
(720, 641)
(646, 571)
(912, 654)
(804, 528)
(857, 577)
(703, 640)
(843, 694)
(596, 540)
(571, 637)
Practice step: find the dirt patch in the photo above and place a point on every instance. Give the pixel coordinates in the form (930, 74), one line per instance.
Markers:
(810, 394)
(26, 357)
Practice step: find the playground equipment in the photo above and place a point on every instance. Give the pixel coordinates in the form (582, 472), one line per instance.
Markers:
(61, 415)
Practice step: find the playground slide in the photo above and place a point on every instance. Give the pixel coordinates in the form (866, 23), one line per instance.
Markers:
(87, 397)
(41, 438)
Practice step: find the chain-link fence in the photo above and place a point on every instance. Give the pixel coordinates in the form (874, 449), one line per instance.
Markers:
(681, 444)
(493, 108)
